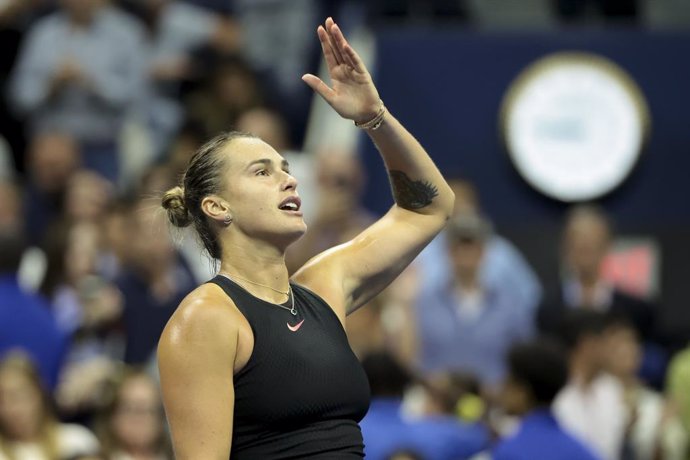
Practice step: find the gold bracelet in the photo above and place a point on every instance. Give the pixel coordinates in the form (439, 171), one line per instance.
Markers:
(375, 122)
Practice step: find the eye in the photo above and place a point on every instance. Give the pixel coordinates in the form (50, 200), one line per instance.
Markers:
(262, 172)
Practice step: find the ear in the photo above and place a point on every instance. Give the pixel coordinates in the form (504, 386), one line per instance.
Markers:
(216, 208)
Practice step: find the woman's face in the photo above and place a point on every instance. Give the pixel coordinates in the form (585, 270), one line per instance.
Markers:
(624, 353)
(467, 254)
(137, 420)
(21, 406)
(153, 249)
(261, 193)
(513, 397)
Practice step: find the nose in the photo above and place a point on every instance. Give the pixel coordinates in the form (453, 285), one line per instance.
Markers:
(290, 183)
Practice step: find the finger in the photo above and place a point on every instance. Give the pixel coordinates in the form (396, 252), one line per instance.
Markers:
(319, 86)
(326, 47)
(348, 51)
(331, 40)
(340, 42)
(356, 61)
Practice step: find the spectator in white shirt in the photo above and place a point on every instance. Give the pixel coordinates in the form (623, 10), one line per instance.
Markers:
(654, 431)
(591, 406)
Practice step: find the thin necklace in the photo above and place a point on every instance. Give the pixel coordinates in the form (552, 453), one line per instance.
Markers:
(289, 292)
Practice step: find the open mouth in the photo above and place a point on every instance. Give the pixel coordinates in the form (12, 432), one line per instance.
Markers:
(291, 204)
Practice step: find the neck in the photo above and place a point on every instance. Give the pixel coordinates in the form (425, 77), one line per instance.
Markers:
(628, 380)
(259, 263)
(581, 372)
(468, 282)
(82, 22)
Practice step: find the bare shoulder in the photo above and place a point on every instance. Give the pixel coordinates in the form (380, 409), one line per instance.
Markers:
(205, 317)
(195, 356)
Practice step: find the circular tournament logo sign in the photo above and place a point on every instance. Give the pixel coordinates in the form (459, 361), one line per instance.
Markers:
(574, 125)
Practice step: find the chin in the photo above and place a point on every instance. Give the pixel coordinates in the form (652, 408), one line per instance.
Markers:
(287, 235)
(298, 233)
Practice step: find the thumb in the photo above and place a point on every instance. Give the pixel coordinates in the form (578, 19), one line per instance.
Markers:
(319, 86)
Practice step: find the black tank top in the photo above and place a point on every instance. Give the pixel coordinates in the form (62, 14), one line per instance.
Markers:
(303, 391)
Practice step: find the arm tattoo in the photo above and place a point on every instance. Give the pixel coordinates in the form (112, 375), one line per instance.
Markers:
(411, 194)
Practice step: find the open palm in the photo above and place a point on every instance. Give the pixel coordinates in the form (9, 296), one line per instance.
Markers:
(352, 94)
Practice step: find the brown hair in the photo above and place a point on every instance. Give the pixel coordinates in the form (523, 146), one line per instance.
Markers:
(19, 363)
(104, 429)
(201, 179)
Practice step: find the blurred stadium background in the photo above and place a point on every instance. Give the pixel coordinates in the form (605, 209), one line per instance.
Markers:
(562, 124)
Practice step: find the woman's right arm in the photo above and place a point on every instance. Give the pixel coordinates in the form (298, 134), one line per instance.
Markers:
(196, 353)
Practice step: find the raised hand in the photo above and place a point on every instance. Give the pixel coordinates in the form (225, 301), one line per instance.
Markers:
(352, 94)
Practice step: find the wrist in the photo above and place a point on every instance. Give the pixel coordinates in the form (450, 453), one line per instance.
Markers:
(372, 120)
(369, 113)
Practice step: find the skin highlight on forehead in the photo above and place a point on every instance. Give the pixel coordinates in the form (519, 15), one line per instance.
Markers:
(242, 152)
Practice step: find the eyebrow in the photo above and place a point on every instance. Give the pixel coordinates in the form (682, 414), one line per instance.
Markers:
(267, 162)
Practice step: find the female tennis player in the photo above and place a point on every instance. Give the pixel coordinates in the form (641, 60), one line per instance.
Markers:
(255, 365)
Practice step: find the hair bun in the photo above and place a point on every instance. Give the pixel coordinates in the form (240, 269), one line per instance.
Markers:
(173, 203)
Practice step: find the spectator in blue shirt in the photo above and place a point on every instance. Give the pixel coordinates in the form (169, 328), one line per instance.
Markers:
(464, 322)
(387, 432)
(26, 322)
(80, 71)
(502, 267)
(537, 372)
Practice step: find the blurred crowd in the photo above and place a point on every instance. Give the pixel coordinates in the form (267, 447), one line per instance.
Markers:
(104, 102)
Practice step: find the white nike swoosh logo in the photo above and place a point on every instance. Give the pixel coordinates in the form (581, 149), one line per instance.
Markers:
(295, 327)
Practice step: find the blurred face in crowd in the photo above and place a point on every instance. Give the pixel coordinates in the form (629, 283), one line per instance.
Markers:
(623, 351)
(155, 5)
(86, 196)
(137, 421)
(592, 349)
(82, 11)
(465, 196)
(585, 246)
(152, 249)
(514, 397)
(340, 178)
(455, 394)
(21, 405)
(467, 253)
(235, 88)
(267, 125)
(339, 170)
(182, 149)
(53, 157)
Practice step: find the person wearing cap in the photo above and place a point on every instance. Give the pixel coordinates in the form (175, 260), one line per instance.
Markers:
(465, 323)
